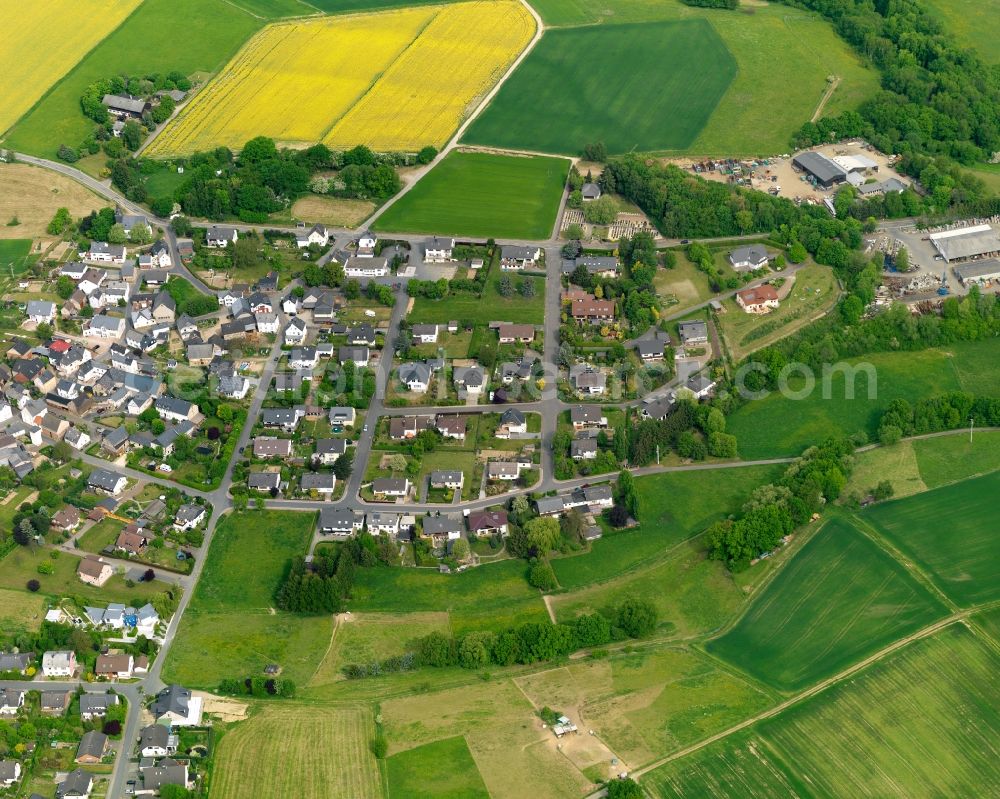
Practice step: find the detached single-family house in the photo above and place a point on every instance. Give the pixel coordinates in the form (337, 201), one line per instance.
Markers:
(271, 447)
(125, 106)
(505, 471)
(166, 772)
(362, 267)
(583, 449)
(41, 311)
(359, 356)
(592, 311)
(487, 522)
(132, 540)
(59, 663)
(77, 785)
(442, 529)
(512, 422)
(469, 379)
(425, 334)
(587, 416)
(516, 334)
(747, 259)
(95, 705)
(391, 487)
(285, 418)
(10, 772)
(54, 703)
(438, 251)
(453, 479)
(295, 332)
(340, 521)
(102, 252)
(107, 482)
(15, 661)
(94, 571)
(415, 376)
(11, 701)
(189, 516)
(101, 326)
(317, 234)
(221, 236)
(516, 258)
(114, 667)
(588, 380)
(264, 481)
(320, 482)
(328, 450)
(693, 332)
(452, 426)
(157, 740)
(176, 410)
(178, 706)
(760, 300)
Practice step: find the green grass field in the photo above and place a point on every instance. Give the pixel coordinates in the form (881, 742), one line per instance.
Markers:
(211, 30)
(301, 750)
(482, 195)
(562, 97)
(481, 310)
(231, 627)
(973, 24)
(20, 611)
(672, 507)
(951, 533)
(777, 425)
(350, 6)
(693, 595)
(946, 459)
(924, 722)
(839, 599)
(488, 598)
(442, 770)
(784, 57)
(14, 252)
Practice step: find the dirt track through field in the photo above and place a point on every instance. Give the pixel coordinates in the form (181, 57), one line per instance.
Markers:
(816, 689)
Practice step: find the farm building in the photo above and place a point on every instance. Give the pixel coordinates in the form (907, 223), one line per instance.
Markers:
(966, 243)
(563, 726)
(979, 272)
(826, 172)
(121, 106)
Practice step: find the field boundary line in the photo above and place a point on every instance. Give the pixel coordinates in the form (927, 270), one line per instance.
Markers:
(808, 693)
(826, 97)
(329, 648)
(464, 125)
(908, 564)
(245, 10)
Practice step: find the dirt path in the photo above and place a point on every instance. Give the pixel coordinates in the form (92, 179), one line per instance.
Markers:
(830, 89)
(818, 688)
(333, 636)
(549, 609)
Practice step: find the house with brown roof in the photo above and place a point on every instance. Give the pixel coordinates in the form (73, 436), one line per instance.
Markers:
(271, 447)
(67, 518)
(452, 426)
(132, 540)
(759, 300)
(112, 667)
(516, 334)
(591, 310)
(487, 522)
(94, 571)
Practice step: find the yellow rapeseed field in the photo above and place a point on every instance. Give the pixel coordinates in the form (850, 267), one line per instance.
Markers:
(41, 42)
(292, 80)
(394, 80)
(427, 92)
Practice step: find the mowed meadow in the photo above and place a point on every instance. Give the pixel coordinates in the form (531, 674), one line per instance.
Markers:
(43, 41)
(392, 80)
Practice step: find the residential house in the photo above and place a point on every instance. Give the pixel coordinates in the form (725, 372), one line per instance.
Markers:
(504, 471)
(759, 300)
(11, 701)
(10, 772)
(303, 358)
(285, 418)
(453, 479)
(693, 332)
(425, 334)
(442, 529)
(271, 447)
(266, 322)
(361, 334)
(102, 252)
(587, 416)
(516, 334)
(41, 311)
(487, 522)
(328, 450)
(517, 258)
(366, 244)
(342, 416)
(95, 705)
(18, 662)
(200, 354)
(587, 379)
(437, 251)
(700, 386)
(101, 326)
(114, 667)
(650, 350)
(178, 706)
(406, 427)
(340, 521)
(233, 386)
(452, 426)
(132, 540)
(469, 380)
(164, 308)
(157, 740)
(391, 487)
(295, 332)
(189, 516)
(657, 409)
(54, 703)
(592, 311)
(59, 663)
(176, 410)
(366, 267)
(359, 356)
(94, 571)
(264, 481)
(221, 236)
(512, 422)
(166, 772)
(415, 376)
(317, 234)
(320, 482)
(107, 482)
(747, 259)
(583, 449)
(604, 266)
(125, 106)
